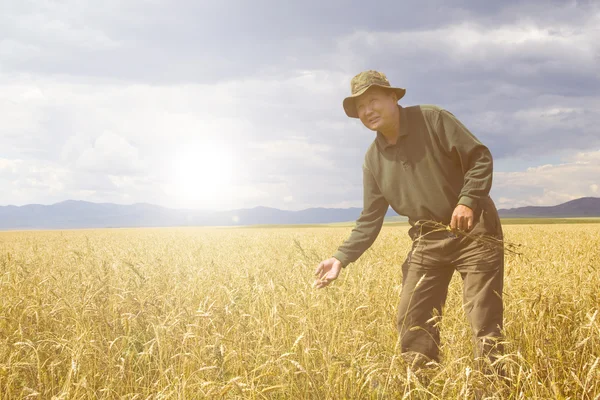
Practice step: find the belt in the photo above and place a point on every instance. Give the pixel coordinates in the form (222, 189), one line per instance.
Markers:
(431, 229)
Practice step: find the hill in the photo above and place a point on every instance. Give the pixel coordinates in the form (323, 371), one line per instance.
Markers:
(72, 214)
(583, 207)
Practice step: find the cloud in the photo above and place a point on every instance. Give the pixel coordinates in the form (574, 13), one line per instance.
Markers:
(547, 185)
(9, 168)
(506, 82)
(21, 181)
(110, 154)
(204, 42)
(107, 130)
(294, 150)
(107, 95)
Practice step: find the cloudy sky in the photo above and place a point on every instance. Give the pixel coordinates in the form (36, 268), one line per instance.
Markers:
(234, 104)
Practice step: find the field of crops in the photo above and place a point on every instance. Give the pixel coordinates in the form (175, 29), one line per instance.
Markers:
(231, 313)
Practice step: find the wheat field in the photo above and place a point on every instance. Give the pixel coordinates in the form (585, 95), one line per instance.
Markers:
(192, 313)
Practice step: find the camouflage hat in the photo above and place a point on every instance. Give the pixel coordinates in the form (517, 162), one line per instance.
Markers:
(361, 83)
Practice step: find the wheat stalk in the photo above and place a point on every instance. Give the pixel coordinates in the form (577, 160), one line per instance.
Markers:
(487, 240)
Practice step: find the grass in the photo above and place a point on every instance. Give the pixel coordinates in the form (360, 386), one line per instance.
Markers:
(230, 313)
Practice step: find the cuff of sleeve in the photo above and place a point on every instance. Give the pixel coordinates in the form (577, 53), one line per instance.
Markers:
(342, 257)
(468, 201)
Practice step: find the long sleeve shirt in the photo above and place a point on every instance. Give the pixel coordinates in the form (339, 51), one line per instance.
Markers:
(436, 164)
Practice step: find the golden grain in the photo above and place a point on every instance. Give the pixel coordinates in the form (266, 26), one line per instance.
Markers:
(230, 313)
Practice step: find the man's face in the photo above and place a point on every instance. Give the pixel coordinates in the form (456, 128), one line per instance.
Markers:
(376, 108)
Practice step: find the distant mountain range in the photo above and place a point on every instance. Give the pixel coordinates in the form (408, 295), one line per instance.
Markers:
(583, 207)
(81, 214)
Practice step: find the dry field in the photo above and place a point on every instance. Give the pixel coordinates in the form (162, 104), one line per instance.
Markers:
(231, 313)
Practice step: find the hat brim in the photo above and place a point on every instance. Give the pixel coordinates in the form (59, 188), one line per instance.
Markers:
(349, 102)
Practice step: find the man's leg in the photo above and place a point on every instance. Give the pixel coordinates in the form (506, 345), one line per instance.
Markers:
(481, 266)
(423, 295)
(482, 301)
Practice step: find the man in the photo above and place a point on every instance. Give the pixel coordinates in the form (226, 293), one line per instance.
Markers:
(426, 165)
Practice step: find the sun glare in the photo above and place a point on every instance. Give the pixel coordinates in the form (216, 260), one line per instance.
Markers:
(201, 176)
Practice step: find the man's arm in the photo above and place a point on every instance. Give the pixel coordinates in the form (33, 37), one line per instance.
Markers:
(475, 158)
(368, 224)
(476, 163)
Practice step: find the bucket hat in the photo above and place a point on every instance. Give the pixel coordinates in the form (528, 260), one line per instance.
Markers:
(361, 83)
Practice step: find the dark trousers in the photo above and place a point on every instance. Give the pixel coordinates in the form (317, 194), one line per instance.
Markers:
(426, 274)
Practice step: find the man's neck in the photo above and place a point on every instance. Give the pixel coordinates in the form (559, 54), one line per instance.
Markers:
(392, 132)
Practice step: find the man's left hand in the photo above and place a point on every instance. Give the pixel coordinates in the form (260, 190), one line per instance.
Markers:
(462, 218)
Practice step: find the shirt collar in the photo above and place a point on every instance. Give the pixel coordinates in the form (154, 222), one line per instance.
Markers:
(403, 129)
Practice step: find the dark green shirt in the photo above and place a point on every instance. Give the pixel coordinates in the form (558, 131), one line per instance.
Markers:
(435, 165)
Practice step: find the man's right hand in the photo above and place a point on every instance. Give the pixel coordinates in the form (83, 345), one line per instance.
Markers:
(327, 272)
